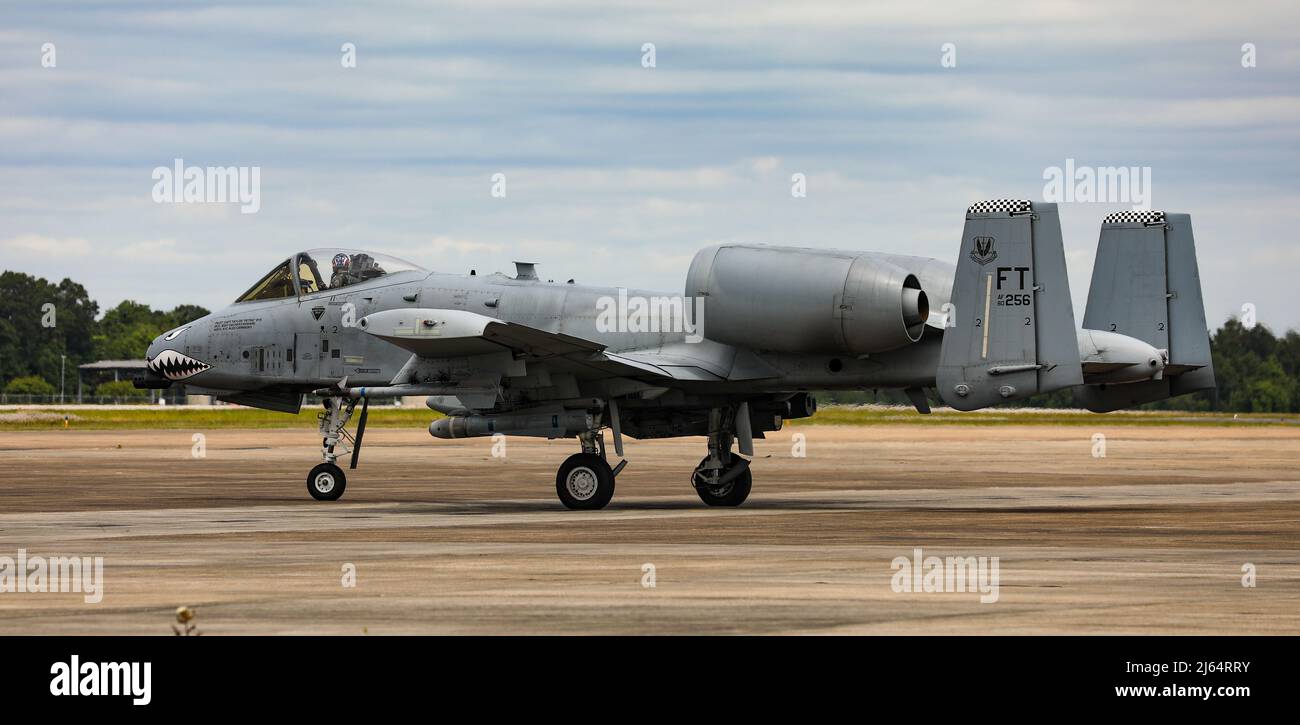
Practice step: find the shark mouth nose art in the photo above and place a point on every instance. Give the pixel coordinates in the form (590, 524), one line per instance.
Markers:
(176, 366)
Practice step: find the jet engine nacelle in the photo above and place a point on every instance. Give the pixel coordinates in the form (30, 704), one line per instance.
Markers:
(806, 300)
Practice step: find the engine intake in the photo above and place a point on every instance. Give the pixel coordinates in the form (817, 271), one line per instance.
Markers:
(806, 300)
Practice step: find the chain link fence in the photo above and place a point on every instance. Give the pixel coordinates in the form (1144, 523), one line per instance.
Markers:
(145, 398)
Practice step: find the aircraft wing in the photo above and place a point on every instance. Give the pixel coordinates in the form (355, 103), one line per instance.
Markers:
(456, 333)
(440, 334)
(705, 360)
(436, 334)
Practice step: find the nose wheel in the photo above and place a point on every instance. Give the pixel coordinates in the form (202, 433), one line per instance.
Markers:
(326, 482)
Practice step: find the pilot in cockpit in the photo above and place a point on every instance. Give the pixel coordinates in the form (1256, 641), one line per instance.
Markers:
(353, 268)
(342, 276)
(346, 269)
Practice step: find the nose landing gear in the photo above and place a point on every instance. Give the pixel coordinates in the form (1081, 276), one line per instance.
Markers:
(326, 482)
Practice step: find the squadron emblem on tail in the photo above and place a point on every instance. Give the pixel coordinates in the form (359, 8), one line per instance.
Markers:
(982, 252)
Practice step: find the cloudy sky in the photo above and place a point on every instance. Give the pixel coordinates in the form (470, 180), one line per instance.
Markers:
(616, 173)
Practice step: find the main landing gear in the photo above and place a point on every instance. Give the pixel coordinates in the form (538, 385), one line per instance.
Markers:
(727, 485)
(723, 478)
(585, 480)
(326, 482)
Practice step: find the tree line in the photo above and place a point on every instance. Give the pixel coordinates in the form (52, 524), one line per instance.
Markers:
(40, 322)
(1256, 370)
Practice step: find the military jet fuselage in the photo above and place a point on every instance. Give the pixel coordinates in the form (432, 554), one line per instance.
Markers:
(757, 328)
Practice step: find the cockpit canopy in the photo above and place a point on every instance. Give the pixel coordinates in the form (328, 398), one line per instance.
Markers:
(320, 270)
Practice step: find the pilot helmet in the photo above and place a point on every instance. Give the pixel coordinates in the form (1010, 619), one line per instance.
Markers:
(341, 261)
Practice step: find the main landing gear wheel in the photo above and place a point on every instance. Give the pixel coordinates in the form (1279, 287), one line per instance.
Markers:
(731, 493)
(326, 482)
(584, 482)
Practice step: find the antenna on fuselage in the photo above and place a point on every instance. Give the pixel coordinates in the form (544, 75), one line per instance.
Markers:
(525, 270)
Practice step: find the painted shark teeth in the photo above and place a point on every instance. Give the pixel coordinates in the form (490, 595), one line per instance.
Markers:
(176, 366)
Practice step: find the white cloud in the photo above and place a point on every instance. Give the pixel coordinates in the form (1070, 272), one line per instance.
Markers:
(157, 251)
(43, 246)
(461, 247)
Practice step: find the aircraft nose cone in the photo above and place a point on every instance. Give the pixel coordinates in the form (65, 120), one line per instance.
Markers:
(165, 358)
(172, 338)
(155, 348)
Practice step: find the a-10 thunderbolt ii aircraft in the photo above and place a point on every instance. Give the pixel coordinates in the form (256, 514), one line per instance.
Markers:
(757, 328)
